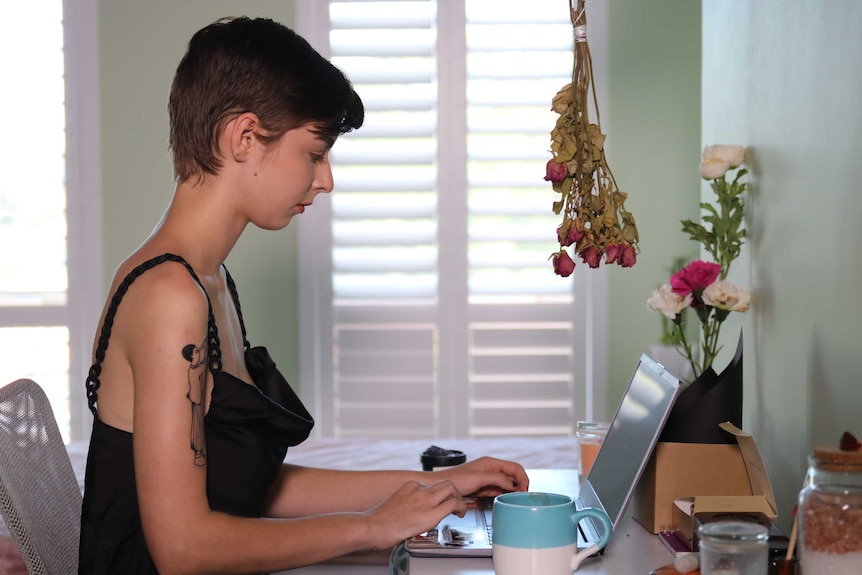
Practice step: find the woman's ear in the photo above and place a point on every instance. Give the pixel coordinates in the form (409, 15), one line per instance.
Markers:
(242, 135)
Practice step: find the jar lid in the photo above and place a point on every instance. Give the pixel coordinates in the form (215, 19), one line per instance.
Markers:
(834, 455)
(734, 531)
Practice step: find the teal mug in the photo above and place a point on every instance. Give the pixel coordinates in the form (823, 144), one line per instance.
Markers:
(537, 534)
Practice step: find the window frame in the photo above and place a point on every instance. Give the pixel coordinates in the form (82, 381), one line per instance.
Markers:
(81, 312)
(315, 258)
(83, 196)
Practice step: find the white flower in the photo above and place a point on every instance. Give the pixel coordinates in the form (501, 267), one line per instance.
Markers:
(670, 304)
(733, 155)
(725, 295)
(713, 168)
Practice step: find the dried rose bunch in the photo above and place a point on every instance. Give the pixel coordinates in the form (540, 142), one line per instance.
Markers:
(595, 222)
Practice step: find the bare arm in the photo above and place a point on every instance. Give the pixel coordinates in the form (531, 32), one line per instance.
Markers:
(300, 491)
(183, 534)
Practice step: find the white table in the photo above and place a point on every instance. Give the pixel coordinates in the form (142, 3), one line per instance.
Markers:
(338, 569)
(633, 550)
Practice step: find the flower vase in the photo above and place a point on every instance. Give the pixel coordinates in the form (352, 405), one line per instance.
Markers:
(709, 400)
(672, 359)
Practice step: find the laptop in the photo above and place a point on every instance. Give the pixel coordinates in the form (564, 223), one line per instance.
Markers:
(633, 432)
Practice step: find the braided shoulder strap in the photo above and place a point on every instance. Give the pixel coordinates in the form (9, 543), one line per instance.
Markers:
(213, 345)
(233, 293)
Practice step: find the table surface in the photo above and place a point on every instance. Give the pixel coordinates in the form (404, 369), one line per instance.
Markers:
(633, 550)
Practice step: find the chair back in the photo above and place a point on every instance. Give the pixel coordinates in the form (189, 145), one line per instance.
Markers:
(39, 496)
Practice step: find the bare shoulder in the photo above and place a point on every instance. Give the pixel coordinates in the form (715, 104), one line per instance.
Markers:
(157, 316)
(163, 304)
(167, 283)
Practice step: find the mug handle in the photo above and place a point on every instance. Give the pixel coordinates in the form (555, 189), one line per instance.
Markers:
(598, 515)
(602, 518)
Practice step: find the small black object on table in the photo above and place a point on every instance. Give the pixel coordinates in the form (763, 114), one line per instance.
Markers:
(438, 457)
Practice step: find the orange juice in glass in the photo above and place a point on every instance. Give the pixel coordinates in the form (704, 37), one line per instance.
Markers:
(590, 436)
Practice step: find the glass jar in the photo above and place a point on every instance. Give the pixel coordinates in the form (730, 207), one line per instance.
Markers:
(590, 436)
(830, 513)
(733, 548)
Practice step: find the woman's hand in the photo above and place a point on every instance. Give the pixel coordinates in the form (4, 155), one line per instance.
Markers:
(486, 477)
(411, 509)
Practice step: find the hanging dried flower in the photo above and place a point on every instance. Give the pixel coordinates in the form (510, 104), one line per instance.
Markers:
(591, 203)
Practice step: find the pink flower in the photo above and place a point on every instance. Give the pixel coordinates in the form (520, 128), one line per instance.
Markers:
(613, 252)
(695, 276)
(571, 237)
(563, 264)
(555, 171)
(622, 254)
(592, 256)
(628, 258)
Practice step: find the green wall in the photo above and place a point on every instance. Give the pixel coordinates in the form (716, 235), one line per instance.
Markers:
(654, 149)
(141, 44)
(782, 77)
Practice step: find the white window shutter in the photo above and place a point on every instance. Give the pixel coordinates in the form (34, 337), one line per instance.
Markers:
(50, 231)
(435, 304)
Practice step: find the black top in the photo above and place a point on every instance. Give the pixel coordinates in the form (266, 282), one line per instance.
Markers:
(248, 430)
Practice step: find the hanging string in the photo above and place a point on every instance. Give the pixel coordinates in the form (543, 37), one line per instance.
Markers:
(580, 33)
(580, 29)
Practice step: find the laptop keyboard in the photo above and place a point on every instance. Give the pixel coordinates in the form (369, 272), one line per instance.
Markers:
(461, 535)
(471, 535)
(487, 507)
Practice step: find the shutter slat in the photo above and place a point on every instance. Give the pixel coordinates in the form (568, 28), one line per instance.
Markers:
(385, 230)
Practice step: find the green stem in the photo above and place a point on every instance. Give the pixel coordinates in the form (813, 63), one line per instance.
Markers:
(709, 342)
(686, 346)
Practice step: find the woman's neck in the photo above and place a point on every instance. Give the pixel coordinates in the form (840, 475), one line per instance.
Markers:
(201, 225)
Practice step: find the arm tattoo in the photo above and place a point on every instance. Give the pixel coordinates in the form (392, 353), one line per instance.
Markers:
(196, 356)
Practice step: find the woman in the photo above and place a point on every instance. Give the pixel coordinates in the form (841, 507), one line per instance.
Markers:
(185, 472)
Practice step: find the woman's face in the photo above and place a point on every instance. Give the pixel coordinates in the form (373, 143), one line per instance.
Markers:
(288, 175)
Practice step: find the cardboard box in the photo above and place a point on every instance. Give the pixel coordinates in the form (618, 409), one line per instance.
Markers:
(689, 512)
(683, 470)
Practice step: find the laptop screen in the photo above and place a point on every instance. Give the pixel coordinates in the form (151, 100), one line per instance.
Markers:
(631, 437)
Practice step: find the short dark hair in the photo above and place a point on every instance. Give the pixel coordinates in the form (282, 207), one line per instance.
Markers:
(238, 65)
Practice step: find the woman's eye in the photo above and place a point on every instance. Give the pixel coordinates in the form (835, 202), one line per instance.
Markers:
(317, 158)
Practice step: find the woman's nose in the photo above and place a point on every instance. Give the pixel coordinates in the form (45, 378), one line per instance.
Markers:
(323, 177)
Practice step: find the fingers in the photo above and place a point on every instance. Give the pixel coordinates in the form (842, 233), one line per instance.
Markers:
(498, 483)
(415, 508)
(438, 497)
(516, 473)
(521, 479)
(495, 476)
(447, 496)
